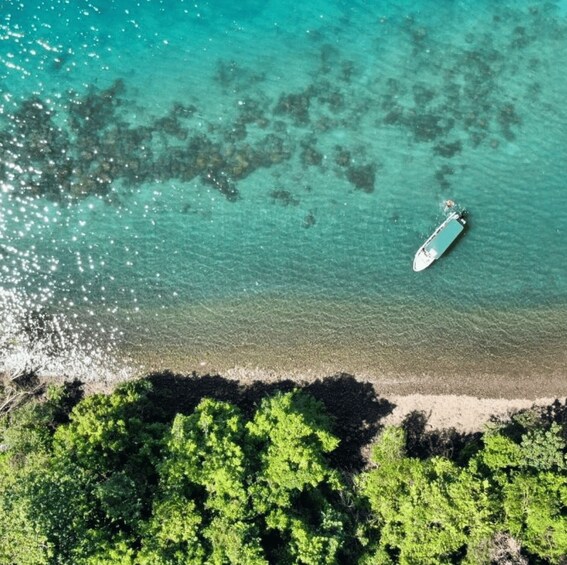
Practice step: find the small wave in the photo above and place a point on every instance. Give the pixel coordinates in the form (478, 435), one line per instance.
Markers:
(32, 340)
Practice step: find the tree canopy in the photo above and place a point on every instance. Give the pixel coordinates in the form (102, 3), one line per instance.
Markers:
(113, 478)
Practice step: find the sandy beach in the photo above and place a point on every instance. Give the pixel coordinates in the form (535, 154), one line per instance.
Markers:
(465, 404)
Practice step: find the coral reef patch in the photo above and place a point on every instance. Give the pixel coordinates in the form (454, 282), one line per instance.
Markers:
(450, 98)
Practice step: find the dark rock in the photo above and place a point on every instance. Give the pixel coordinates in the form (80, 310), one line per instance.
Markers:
(226, 73)
(323, 123)
(230, 75)
(334, 99)
(310, 156)
(295, 105)
(507, 117)
(236, 133)
(447, 149)
(342, 156)
(272, 150)
(284, 197)
(520, 38)
(309, 221)
(395, 116)
(170, 125)
(329, 58)
(250, 110)
(422, 95)
(441, 175)
(362, 177)
(180, 110)
(427, 127)
(220, 180)
(347, 70)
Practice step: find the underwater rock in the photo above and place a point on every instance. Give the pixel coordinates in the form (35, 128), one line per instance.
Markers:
(447, 149)
(323, 124)
(226, 73)
(310, 156)
(507, 117)
(236, 133)
(279, 126)
(333, 98)
(342, 156)
(284, 197)
(441, 175)
(329, 58)
(95, 110)
(170, 125)
(273, 149)
(296, 106)
(427, 127)
(244, 161)
(309, 221)
(520, 38)
(395, 116)
(251, 111)
(362, 177)
(262, 122)
(220, 180)
(347, 70)
(232, 76)
(104, 148)
(183, 111)
(422, 95)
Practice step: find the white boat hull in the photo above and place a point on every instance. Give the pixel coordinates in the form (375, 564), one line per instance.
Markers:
(422, 260)
(439, 241)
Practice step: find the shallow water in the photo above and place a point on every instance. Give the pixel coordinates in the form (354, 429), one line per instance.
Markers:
(204, 186)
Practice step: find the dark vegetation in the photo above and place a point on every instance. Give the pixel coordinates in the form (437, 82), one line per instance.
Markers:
(173, 469)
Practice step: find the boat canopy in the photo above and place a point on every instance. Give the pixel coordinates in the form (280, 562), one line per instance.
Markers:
(439, 244)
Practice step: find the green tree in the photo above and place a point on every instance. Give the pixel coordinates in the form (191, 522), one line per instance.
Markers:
(114, 485)
(203, 491)
(544, 449)
(26, 436)
(424, 511)
(528, 484)
(535, 507)
(95, 477)
(296, 490)
(21, 541)
(531, 486)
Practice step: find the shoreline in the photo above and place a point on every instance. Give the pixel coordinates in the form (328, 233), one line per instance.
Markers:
(463, 402)
(402, 349)
(445, 406)
(478, 378)
(444, 410)
(464, 413)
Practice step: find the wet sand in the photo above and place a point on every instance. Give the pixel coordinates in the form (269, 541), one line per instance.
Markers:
(522, 356)
(467, 379)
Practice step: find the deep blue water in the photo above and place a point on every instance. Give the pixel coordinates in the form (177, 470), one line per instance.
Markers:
(217, 185)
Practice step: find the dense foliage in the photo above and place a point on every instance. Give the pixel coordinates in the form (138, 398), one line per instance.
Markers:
(118, 480)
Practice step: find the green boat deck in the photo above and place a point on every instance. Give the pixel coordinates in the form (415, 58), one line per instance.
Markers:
(439, 244)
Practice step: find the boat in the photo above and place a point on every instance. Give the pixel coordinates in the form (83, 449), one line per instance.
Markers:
(439, 241)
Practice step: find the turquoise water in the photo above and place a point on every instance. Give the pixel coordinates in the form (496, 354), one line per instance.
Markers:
(204, 185)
